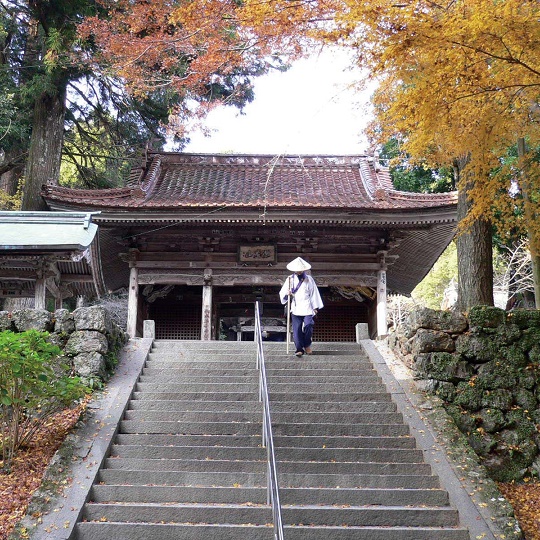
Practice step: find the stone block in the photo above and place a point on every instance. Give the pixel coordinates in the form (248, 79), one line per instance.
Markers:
(92, 318)
(90, 365)
(5, 321)
(32, 319)
(451, 322)
(63, 321)
(486, 317)
(432, 341)
(86, 341)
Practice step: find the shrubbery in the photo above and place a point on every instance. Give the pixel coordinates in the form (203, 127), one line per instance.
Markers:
(34, 385)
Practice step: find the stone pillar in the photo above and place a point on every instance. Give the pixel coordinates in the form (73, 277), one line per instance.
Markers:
(382, 328)
(206, 320)
(40, 293)
(133, 300)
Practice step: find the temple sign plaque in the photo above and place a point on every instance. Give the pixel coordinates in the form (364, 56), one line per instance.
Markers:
(257, 254)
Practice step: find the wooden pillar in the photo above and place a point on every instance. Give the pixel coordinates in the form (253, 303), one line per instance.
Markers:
(133, 300)
(206, 320)
(40, 293)
(382, 328)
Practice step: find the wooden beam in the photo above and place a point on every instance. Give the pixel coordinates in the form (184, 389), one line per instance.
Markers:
(133, 302)
(19, 275)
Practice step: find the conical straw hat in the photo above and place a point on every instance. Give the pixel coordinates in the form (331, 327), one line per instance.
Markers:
(298, 265)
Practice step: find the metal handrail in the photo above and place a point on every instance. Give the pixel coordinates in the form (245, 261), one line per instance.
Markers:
(267, 438)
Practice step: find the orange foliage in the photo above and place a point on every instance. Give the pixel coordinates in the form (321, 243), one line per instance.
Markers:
(185, 46)
(457, 79)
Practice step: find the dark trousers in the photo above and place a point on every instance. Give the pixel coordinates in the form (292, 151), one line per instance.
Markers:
(302, 331)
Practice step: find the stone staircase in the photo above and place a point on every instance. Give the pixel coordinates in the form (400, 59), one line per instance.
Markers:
(187, 462)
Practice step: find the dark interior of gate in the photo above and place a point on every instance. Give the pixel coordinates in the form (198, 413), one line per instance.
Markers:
(178, 314)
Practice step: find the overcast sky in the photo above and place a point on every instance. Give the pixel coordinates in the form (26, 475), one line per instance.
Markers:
(310, 109)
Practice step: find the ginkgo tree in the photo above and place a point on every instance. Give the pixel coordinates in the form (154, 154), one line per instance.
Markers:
(459, 85)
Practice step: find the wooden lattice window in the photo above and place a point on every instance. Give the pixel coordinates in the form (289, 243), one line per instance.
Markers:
(338, 323)
(176, 319)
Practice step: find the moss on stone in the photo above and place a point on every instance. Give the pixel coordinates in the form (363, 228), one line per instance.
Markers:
(491, 420)
(522, 424)
(525, 399)
(524, 318)
(505, 334)
(482, 442)
(499, 398)
(486, 317)
(497, 374)
(530, 338)
(464, 420)
(477, 347)
(468, 396)
(444, 366)
(446, 391)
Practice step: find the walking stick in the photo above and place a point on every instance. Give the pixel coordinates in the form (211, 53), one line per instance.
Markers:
(289, 316)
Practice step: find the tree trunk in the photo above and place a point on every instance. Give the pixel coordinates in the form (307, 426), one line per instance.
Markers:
(44, 156)
(474, 253)
(9, 180)
(530, 217)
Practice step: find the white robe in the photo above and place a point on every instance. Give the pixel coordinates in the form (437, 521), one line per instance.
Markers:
(307, 297)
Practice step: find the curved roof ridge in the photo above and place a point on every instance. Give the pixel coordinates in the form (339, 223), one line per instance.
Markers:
(412, 195)
(149, 182)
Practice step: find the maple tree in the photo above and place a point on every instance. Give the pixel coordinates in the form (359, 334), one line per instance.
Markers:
(458, 86)
(81, 67)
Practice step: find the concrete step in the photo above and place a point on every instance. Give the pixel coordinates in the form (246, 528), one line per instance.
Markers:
(180, 406)
(171, 376)
(182, 478)
(186, 465)
(185, 531)
(394, 481)
(196, 345)
(196, 416)
(321, 372)
(200, 365)
(249, 479)
(188, 369)
(243, 465)
(170, 439)
(194, 396)
(306, 496)
(340, 441)
(229, 441)
(324, 396)
(321, 429)
(217, 356)
(355, 516)
(348, 456)
(247, 387)
(248, 362)
(140, 531)
(296, 388)
(185, 377)
(237, 428)
(277, 417)
(256, 406)
(194, 428)
(235, 453)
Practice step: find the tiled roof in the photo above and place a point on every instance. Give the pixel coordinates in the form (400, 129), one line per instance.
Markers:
(175, 180)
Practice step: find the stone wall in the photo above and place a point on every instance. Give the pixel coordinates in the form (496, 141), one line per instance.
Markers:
(88, 336)
(486, 369)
